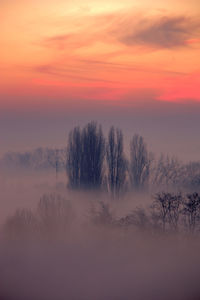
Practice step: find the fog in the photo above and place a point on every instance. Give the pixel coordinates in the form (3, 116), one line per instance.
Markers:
(99, 150)
(62, 243)
(167, 127)
(23, 188)
(101, 265)
(88, 258)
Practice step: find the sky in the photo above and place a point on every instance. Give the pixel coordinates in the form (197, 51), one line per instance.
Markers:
(105, 59)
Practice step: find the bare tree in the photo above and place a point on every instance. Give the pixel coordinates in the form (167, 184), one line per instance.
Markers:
(191, 176)
(192, 210)
(160, 205)
(116, 161)
(168, 206)
(168, 172)
(140, 162)
(174, 210)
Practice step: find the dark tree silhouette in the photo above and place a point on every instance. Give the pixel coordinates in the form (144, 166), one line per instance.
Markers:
(116, 161)
(92, 156)
(192, 210)
(168, 206)
(74, 154)
(85, 157)
(140, 162)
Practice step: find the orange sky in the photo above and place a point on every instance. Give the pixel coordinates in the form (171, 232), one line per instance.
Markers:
(103, 50)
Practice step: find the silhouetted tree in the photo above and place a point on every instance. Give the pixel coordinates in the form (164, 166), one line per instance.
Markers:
(161, 207)
(92, 156)
(116, 162)
(85, 157)
(74, 156)
(167, 206)
(140, 162)
(192, 210)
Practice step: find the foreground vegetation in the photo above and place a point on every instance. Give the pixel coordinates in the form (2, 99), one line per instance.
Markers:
(54, 216)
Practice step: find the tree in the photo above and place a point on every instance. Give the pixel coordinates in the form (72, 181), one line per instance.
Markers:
(85, 157)
(140, 162)
(167, 207)
(74, 153)
(92, 156)
(191, 176)
(168, 172)
(116, 162)
(54, 214)
(192, 210)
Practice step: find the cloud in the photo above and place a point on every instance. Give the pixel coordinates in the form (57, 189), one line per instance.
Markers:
(65, 41)
(85, 32)
(164, 32)
(58, 38)
(130, 29)
(69, 72)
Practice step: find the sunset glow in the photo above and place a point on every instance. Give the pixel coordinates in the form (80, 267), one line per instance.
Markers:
(99, 50)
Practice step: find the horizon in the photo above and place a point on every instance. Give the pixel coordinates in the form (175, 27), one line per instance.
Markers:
(132, 65)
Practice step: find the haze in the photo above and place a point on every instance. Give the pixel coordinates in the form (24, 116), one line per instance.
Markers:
(99, 149)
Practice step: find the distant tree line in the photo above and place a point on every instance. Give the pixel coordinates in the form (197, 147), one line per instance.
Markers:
(98, 162)
(36, 160)
(95, 161)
